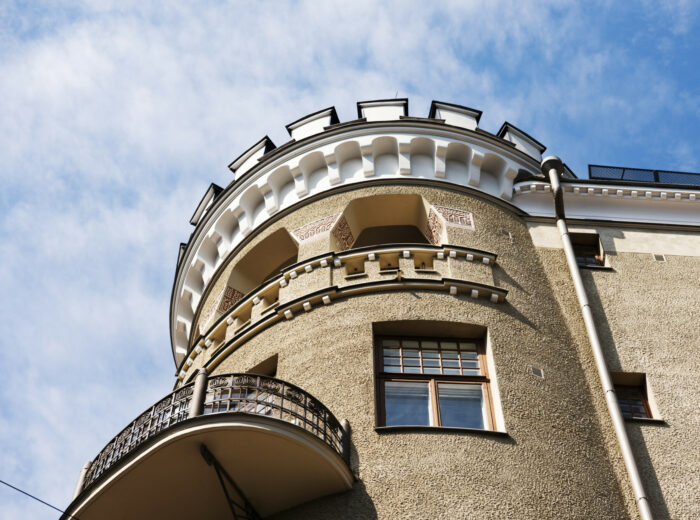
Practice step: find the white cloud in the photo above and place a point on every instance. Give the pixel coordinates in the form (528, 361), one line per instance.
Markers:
(116, 115)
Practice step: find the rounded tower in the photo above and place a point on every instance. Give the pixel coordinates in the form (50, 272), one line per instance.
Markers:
(363, 326)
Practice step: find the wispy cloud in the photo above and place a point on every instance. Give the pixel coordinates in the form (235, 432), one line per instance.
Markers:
(117, 114)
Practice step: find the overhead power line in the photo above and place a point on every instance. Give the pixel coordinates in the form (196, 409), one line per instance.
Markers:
(37, 499)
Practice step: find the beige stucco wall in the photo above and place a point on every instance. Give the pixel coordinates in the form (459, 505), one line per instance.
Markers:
(558, 461)
(646, 312)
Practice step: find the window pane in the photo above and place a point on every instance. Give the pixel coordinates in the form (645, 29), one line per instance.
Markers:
(431, 370)
(430, 353)
(450, 355)
(409, 343)
(431, 362)
(467, 346)
(410, 352)
(391, 361)
(391, 343)
(450, 363)
(391, 352)
(406, 403)
(430, 345)
(392, 369)
(461, 405)
(411, 362)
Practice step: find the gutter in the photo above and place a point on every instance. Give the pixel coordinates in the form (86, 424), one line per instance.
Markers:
(552, 166)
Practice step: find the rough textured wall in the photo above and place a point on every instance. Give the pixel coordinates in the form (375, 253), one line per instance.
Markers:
(554, 463)
(648, 316)
(646, 313)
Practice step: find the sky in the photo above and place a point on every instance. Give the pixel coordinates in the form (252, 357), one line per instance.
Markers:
(116, 115)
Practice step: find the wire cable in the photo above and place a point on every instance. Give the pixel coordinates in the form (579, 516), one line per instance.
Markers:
(37, 499)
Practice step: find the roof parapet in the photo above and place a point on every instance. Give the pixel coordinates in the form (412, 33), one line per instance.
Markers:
(313, 123)
(382, 109)
(250, 157)
(522, 141)
(455, 115)
(207, 200)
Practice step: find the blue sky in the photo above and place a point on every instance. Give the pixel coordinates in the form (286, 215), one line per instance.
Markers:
(116, 115)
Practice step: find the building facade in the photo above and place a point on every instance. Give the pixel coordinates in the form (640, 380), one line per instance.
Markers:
(376, 320)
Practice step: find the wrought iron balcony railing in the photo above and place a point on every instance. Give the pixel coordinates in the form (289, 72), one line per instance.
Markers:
(225, 394)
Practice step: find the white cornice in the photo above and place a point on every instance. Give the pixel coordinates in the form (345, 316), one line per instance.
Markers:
(344, 156)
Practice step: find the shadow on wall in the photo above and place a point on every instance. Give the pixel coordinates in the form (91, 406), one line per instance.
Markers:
(634, 430)
(352, 504)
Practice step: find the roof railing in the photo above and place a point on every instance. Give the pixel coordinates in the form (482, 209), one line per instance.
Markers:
(619, 173)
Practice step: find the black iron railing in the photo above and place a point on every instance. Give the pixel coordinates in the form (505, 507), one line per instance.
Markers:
(260, 395)
(165, 413)
(231, 394)
(616, 173)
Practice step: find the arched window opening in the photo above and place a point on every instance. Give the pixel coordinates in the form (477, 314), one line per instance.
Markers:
(264, 261)
(386, 219)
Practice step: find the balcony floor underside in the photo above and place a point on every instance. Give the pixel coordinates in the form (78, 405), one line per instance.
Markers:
(275, 465)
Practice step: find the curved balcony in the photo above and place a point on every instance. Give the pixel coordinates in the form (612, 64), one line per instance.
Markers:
(236, 444)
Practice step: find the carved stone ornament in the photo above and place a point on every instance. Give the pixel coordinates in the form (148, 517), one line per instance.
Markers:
(209, 311)
(230, 298)
(343, 234)
(316, 227)
(434, 227)
(456, 217)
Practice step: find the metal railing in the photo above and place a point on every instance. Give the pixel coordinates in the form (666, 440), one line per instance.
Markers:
(270, 397)
(616, 173)
(231, 394)
(165, 413)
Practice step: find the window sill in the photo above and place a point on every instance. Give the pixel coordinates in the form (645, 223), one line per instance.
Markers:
(437, 429)
(596, 267)
(643, 420)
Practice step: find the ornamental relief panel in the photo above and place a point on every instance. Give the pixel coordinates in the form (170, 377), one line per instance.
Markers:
(317, 227)
(231, 297)
(433, 227)
(456, 217)
(343, 234)
(208, 313)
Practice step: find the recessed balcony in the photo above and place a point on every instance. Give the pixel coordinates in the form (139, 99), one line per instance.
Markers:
(231, 446)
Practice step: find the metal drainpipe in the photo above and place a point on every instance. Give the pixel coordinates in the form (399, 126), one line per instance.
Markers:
(552, 167)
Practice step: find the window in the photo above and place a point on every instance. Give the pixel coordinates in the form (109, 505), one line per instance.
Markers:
(432, 382)
(587, 249)
(633, 402)
(633, 395)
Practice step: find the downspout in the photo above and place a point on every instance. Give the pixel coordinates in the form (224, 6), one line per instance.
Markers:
(552, 167)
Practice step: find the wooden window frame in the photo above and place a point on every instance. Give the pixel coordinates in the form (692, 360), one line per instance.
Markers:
(433, 380)
(641, 390)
